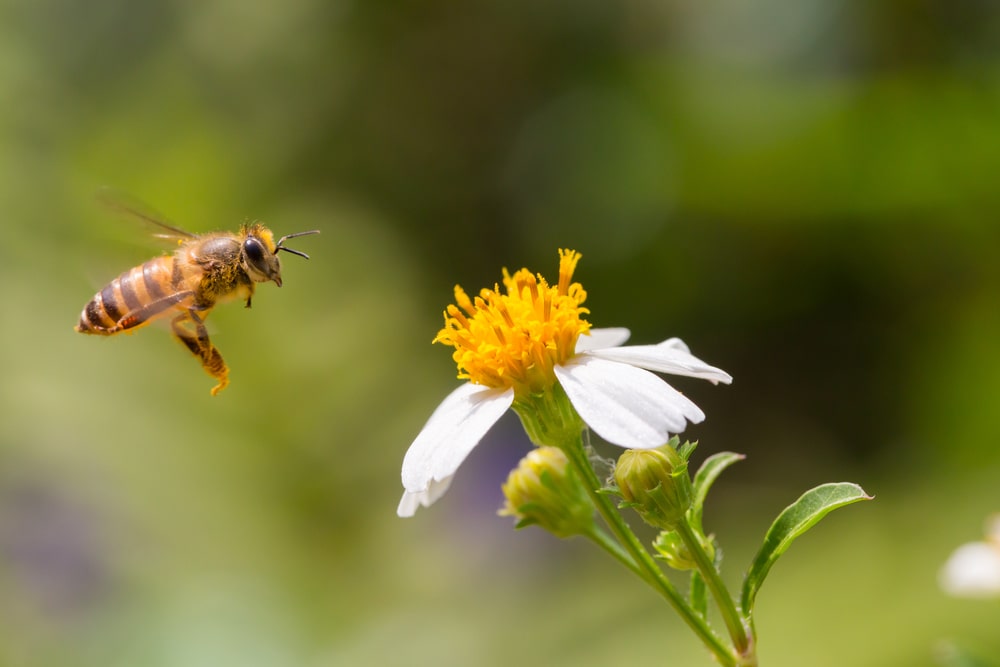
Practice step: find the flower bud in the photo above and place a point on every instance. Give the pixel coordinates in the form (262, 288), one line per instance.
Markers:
(655, 482)
(671, 548)
(545, 491)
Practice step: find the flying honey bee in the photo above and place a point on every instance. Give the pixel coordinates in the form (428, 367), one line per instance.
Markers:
(205, 270)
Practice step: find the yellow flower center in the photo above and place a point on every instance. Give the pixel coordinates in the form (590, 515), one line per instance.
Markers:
(514, 339)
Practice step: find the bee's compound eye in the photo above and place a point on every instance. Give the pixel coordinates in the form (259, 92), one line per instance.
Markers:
(254, 250)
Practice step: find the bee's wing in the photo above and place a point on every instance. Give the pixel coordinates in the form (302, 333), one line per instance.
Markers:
(130, 207)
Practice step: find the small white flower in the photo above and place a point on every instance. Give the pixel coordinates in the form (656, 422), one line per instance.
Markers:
(525, 341)
(973, 569)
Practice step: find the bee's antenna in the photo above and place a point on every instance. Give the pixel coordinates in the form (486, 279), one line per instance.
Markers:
(279, 245)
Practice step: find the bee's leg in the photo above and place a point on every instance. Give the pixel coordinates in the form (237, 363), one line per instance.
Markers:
(250, 294)
(192, 332)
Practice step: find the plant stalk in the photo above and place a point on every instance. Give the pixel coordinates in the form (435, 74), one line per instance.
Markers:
(644, 564)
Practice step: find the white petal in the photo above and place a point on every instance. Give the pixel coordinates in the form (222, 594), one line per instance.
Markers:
(411, 501)
(599, 338)
(670, 356)
(973, 570)
(625, 405)
(455, 428)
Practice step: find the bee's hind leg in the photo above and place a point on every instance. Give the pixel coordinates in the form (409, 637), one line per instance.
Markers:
(191, 330)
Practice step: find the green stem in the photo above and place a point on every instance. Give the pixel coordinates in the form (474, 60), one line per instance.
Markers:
(727, 607)
(643, 563)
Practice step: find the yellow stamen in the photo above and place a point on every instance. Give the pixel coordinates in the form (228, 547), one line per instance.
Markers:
(514, 339)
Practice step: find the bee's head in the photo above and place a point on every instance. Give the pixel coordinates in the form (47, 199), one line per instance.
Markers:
(260, 253)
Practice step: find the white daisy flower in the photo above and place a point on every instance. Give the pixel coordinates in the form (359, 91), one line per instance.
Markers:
(973, 569)
(517, 349)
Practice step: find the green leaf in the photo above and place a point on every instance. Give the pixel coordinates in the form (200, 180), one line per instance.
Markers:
(706, 476)
(796, 519)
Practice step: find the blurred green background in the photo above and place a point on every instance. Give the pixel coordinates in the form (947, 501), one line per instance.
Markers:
(806, 192)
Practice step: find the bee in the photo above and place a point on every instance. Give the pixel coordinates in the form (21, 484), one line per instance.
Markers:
(204, 270)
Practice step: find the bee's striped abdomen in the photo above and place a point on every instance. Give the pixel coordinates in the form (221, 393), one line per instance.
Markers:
(133, 298)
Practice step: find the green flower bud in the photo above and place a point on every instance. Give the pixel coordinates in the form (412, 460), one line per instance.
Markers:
(543, 490)
(671, 548)
(655, 482)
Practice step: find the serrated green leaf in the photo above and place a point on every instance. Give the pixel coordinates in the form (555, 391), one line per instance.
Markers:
(796, 519)
(706, 476)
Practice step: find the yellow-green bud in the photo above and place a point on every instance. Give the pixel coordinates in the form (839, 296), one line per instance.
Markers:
(671, 548)
(545, 491)
(655, 482)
